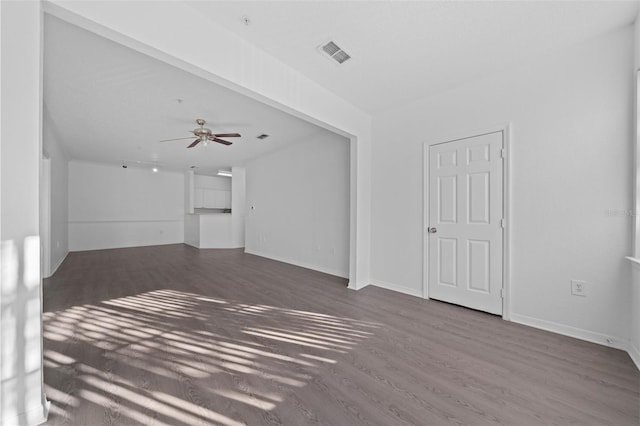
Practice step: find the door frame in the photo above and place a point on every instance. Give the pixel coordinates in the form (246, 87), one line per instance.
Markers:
(45, 216)
(506, 210)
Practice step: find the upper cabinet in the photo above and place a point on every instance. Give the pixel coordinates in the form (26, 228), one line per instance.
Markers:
(211, 192)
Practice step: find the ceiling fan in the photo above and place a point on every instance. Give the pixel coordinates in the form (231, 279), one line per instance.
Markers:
(205, 135)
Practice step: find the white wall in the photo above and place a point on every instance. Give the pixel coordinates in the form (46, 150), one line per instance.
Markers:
(189, 194)
(21, 387)
(113, 207)
(59, 215)
(634, 341)
(298, 205)
(238, 205)
(192, 230)
(570, 157)
(634, 338)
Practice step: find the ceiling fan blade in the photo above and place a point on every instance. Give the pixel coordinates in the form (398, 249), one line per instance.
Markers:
(176, 139)
(227, 135)
(196, 142)
(222, 141)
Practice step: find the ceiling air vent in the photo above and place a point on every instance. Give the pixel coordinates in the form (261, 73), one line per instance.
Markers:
(335, 52)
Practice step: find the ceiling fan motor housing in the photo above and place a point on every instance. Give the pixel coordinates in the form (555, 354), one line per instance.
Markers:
(202, 133)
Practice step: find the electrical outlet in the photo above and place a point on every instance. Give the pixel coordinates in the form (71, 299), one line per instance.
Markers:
(578, 288)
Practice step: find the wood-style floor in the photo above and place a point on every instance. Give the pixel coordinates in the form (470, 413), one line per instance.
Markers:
(172, 335)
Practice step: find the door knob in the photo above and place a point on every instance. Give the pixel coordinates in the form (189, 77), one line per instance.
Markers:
(432, 230)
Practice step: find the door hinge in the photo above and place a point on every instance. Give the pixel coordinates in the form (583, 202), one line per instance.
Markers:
(503, 153)
(503, 223)
(502, 293)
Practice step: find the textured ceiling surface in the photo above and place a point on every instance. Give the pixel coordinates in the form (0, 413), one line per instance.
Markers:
(405, 50)
(108, 103)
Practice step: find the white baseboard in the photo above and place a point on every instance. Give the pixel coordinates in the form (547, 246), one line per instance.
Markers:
(76, 250)
(298, 263)
(357, 286)
(46, 408)
(57, 265)
(35, 415)
(634, 353)
(417, 292)
(567, 330)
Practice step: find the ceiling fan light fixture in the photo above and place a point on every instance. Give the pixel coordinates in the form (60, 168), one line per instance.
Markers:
(225, 173)
(204, 135)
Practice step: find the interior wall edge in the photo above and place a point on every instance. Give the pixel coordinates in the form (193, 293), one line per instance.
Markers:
(55, 267)
(634, 353)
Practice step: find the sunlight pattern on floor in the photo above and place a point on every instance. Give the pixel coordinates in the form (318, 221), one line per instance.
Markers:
(167, 357)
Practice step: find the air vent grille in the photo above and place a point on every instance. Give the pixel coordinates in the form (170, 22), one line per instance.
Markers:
(341, 56)
(335, 52)
(331, 48)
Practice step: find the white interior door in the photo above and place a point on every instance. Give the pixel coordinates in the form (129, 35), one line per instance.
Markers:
(465, 215)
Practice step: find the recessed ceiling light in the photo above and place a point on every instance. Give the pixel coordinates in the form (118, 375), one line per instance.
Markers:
(154, 170)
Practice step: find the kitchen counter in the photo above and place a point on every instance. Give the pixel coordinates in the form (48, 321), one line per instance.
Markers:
(212, 230)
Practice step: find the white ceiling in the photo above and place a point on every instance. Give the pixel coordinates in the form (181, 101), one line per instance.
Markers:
(407, 50)
(108, 103)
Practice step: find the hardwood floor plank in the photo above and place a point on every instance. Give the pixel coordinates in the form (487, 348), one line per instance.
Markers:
(172, 335)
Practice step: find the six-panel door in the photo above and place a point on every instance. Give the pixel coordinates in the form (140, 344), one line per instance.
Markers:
(465, 213)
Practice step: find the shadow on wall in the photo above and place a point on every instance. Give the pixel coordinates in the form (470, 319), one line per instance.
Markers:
(174, 358)
(21, 331)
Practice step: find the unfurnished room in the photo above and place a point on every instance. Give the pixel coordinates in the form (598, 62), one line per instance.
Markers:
(319, 212)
